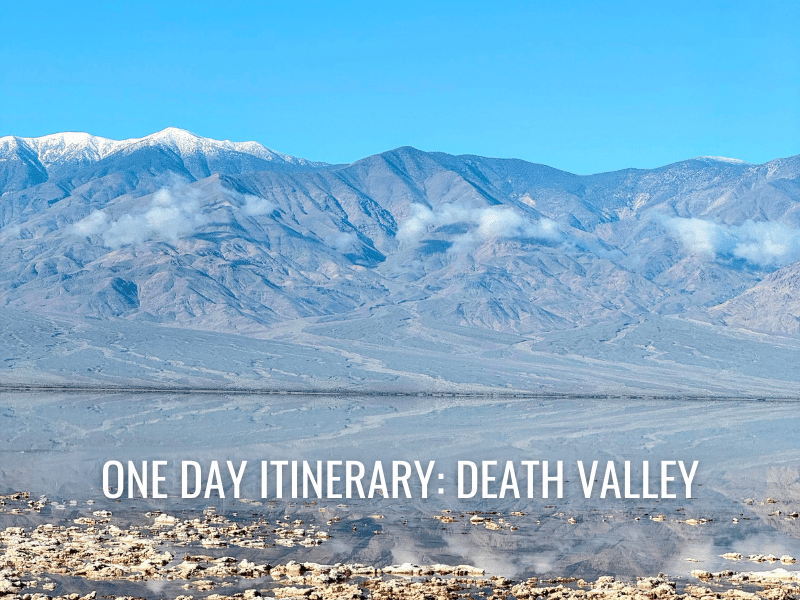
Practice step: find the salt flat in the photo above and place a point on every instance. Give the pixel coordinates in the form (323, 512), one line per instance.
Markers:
(371, 352)
(56, 444)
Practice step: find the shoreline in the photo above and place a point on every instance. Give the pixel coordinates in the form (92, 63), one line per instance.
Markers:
(203, 554)
(499, 393)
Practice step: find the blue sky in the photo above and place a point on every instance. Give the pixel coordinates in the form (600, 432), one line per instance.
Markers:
(581, 86)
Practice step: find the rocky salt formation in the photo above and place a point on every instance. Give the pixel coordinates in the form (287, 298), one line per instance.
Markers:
(97, 549)
(357, 582)
(161, 555)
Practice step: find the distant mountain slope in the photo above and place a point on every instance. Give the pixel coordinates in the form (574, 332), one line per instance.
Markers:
(179, 230)
(773, 304)
(62, 155)
(20, 166)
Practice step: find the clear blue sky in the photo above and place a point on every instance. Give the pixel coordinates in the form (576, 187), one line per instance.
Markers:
(582, 86)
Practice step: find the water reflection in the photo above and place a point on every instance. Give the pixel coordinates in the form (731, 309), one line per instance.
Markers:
(56, 444)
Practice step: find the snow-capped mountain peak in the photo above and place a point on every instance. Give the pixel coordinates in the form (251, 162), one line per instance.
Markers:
(8, 144)
(723, 159)
(186, 143)
(183, 142)
(71, 146)
(63, 151)
(406, 248)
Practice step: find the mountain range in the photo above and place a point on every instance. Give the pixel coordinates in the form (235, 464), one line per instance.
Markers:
(399, 264)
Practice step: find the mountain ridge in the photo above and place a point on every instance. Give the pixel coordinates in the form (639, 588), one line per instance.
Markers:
(403, 247)
(61, 153)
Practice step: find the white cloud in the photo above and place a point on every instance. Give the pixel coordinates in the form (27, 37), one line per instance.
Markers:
(768, 243)
(91, 225)
(697, 235)
(497, 222)
(503, 222)
(169, 215)
(254, 206)
(485, 223)
(762, 243)
(419, 220)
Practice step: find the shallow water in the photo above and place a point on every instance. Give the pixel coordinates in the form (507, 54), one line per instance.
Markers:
(56, 444)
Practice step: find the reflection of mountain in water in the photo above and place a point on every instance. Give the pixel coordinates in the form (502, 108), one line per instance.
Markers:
(56, 444)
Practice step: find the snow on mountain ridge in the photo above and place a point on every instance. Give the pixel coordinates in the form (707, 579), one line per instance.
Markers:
(56, 149)
(71, 145)
(725, 159)
(501, 244)
(186, 143)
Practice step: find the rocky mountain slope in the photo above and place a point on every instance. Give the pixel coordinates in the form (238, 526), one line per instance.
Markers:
(174, 229)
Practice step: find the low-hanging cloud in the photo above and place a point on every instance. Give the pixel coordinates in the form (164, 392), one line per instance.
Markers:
(493, 222)
(170, 214)
(254, 206)
(761, 243)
